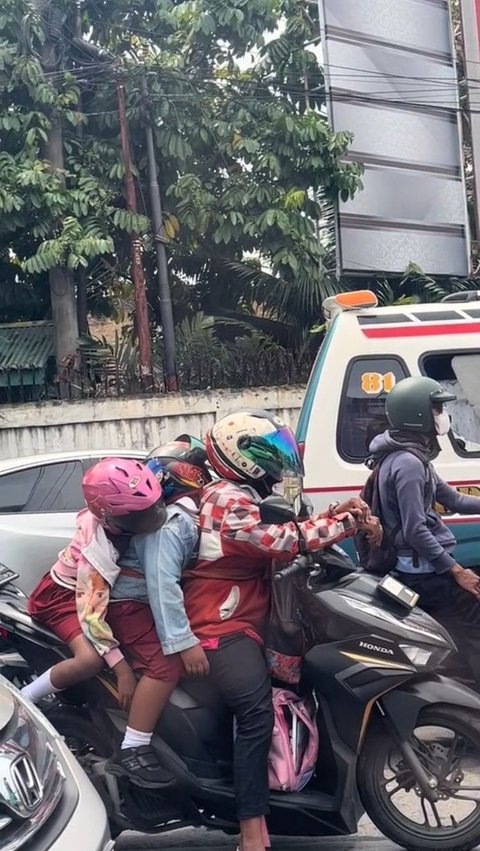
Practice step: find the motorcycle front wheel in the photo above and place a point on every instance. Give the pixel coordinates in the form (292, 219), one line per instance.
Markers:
(447, 742)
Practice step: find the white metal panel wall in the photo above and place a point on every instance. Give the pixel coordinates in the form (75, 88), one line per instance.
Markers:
(391, 78)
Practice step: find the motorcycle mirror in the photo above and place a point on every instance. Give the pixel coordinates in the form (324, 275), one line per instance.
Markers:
(275, 509)
(306, 507)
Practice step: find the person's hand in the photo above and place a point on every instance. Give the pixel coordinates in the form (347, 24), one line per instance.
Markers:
(195, 661)
(126, 684)
(373, 531)
(466, 579)
(357, 508)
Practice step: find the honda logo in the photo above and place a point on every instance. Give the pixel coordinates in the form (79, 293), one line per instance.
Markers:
(26, 783)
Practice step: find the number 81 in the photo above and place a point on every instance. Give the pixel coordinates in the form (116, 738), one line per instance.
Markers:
(374, 383)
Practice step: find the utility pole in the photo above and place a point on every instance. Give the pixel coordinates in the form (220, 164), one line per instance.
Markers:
(82, 307)
(166, 312)
(141, 306)
(62, 285)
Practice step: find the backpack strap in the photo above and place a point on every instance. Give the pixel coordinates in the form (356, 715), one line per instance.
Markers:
(376, 489)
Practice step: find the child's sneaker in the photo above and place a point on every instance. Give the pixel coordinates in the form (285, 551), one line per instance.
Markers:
(141, 766)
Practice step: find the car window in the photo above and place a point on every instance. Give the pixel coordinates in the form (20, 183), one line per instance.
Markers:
(458, 372)
(362, 407)
(89, 462)
(50, 488)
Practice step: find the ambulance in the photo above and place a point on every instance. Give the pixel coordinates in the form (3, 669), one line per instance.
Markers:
(366, 351)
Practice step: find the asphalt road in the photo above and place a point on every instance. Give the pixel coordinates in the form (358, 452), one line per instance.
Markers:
(368, 839)
(189, 840)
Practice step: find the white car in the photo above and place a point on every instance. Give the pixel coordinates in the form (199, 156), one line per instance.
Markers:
(39, 499)
(47, 802)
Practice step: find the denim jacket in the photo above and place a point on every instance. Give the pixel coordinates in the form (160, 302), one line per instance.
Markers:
(160, 557)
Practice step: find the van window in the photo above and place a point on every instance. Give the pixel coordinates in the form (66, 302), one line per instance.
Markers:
(362, 408)
(458, 372)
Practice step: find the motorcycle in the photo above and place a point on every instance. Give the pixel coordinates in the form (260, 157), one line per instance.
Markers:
(398, 740)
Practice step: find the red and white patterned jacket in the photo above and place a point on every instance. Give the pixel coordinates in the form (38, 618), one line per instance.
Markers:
(228, 588)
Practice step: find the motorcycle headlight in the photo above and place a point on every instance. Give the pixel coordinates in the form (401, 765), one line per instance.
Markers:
(388, 617)
(423, 656)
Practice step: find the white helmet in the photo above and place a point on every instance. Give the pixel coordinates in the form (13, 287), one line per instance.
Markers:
(248, 446)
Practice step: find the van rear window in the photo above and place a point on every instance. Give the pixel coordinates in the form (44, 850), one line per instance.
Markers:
(362, 408)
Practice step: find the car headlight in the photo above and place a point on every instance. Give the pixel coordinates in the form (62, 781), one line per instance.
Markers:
(33, 710)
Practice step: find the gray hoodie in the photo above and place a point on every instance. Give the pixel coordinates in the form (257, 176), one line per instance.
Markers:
(408, 489)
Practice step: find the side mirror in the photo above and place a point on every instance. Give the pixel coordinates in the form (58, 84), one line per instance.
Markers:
(305, 508)
(275, 509)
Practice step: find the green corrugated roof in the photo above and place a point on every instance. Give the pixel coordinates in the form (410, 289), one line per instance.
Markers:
(26, 345)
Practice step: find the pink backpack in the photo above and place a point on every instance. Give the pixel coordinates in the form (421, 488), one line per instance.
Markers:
(294, 750)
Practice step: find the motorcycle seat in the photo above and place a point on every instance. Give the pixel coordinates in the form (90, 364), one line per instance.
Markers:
(16, 613)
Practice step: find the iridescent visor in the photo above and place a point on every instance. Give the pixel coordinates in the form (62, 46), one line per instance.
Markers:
(282, 448)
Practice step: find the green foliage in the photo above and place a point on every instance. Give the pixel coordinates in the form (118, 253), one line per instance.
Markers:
(247, 165)
(246, 360)
(417, 288)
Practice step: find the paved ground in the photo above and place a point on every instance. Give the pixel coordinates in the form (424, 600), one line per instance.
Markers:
(189, 840)
(367, 839)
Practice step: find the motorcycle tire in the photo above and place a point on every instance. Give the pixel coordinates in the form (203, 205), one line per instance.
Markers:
(392, 822)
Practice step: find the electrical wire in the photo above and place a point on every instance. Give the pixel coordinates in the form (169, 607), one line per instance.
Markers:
(416, 91)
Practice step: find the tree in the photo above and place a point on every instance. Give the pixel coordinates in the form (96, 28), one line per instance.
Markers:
(53, 214)
(247, 163)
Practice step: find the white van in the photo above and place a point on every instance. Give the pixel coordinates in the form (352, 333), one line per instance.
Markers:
(368, 349)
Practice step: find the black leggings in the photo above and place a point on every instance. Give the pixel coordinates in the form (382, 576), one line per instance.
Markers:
(240, 674)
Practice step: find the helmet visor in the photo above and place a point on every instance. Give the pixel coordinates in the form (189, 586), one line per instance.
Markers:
(277, 453)
(140, 522)
(441, 397)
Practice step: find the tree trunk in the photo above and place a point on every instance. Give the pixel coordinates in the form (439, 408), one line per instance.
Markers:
(62, 285)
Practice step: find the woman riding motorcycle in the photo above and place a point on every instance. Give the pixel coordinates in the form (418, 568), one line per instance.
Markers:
(227, 590)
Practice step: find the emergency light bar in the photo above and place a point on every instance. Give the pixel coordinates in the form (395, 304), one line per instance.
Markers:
(357, 300)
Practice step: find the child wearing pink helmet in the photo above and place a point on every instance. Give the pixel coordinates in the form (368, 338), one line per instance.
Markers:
(123, 498)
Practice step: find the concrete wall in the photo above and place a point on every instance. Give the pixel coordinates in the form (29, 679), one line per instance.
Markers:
(137, 423)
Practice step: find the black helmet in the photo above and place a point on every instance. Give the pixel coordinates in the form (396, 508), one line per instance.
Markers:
(409, 406)
(180, 466)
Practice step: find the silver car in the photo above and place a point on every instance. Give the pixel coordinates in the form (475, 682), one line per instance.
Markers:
(47, 802)
(39, 498)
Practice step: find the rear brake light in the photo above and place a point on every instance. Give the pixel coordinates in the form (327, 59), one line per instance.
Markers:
(301, 449)
(3, 634)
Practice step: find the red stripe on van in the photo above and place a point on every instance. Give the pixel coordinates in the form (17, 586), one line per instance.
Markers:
(347, 488)
(334, 489)
(420, 330)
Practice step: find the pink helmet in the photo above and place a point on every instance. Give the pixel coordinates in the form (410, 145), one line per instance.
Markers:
(116, 487)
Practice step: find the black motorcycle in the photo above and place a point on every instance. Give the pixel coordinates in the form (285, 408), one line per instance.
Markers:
(397, 740)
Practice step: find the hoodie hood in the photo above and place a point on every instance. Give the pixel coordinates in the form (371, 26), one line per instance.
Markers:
(388, 442)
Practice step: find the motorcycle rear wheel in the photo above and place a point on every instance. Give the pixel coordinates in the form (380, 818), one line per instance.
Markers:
(447, 754)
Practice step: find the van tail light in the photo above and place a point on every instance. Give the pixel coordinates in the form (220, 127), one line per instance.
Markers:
(301, 449)
(3, 634)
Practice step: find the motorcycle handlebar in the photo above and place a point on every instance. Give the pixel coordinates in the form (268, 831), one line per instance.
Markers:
(299, 563)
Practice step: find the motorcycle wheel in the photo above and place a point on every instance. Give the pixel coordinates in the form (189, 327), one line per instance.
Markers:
(447, 742)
